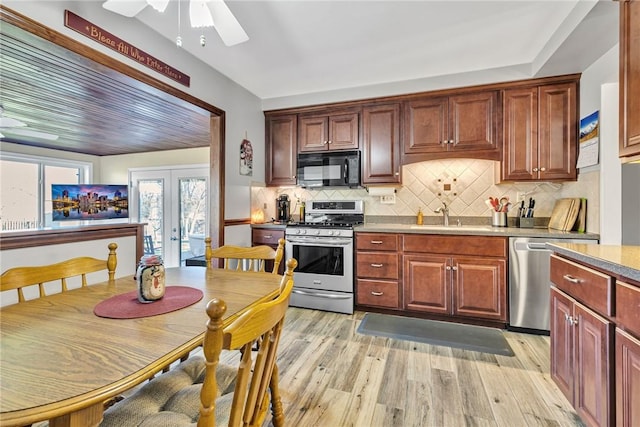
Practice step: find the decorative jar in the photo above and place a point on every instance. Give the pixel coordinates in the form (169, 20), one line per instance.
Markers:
(150, 276)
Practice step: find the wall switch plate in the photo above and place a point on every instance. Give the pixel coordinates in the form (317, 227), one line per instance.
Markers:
(388, 200)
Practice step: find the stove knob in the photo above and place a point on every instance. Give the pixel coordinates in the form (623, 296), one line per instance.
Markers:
(303, 231)
(316, 232)
(333, 232)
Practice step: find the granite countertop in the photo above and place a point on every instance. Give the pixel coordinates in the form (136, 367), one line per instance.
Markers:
(622, 260)
(474, 230)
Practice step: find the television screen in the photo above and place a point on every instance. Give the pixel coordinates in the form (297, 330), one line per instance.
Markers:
(79, 202)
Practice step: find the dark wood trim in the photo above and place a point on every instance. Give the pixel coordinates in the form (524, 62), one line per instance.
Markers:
(57, 236)
(217, 147)
(238, 221)
(441, 92)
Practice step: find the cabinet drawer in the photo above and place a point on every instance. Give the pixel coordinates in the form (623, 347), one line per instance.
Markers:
(628, 307)
(378, 293)
(377, 242)
(592, 288)
(264, 236)
(458, 245)
(378, 265)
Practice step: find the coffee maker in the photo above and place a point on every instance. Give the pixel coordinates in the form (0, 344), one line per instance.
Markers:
(283, 205)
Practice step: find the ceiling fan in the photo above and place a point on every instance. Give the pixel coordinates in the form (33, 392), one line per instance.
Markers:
(202, 13)
(11, 126)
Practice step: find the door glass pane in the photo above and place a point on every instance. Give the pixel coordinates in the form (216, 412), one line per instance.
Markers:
(19, 197)
(150, 202)
(193, 217)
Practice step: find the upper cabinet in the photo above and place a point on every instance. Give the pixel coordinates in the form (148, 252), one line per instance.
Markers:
(463, 125)
(335, 131)
(381, 144)
(629, 78)
(280, 149)
(540, 133)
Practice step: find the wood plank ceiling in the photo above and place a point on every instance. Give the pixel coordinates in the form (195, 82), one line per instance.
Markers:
(92, 109)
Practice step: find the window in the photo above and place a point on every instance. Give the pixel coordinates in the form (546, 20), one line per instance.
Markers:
(25, 188)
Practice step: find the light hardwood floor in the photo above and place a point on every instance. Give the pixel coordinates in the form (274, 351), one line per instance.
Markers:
(332, 376)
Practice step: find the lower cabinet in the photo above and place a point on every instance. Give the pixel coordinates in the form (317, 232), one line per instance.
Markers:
(377, 270)
(627, 379)
(581, 353)
(268, 237)
(457, 286)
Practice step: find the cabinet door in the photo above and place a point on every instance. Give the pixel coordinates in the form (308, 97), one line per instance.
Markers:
(629, 78)
(280, 149)
(561, 337)
(426, 125)
(473, 122)
(381, 144)
(627, 380)
(313, 133)
(520, 130)
(427, 284)
(592, 369)
(343, 131)
(479, 288)
(557, 132)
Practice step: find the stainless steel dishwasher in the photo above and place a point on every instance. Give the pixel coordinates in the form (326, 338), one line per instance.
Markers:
(529, 283)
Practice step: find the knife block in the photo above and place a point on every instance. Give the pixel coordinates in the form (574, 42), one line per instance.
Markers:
(524, 222)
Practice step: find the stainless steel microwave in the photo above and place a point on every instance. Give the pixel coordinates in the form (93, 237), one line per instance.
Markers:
(329, 169)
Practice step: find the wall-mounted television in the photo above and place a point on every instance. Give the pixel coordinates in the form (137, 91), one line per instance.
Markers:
(78, 202)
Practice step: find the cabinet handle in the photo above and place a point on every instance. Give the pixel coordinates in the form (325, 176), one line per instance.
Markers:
(377, 265)
(454, 268)
(325, 142)
(397, 173)
(448, 268)
(571, 279)
(329, 142)
(543, 169)
(376, 242)
(377, 294)
(567, 317)
(535, 169)
(268, 236)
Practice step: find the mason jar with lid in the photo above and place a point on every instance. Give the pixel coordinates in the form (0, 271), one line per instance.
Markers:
(150, 276)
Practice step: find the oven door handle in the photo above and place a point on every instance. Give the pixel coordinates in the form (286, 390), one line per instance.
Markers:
(321, 242)
(320, 294)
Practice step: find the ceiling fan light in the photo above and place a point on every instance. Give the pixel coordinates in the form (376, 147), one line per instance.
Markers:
(159, 5)
(199, 14)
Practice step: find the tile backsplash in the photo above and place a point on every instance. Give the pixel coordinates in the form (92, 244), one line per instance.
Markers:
(463, 184)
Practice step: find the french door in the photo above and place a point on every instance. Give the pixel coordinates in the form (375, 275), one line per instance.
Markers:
(174, 204)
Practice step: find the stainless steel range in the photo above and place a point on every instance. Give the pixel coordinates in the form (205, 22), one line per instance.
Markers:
(323, 246)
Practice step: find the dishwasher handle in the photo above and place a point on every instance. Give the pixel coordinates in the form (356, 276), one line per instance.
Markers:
(537, 246)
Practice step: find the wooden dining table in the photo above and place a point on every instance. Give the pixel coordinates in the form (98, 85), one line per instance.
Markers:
(60, 362)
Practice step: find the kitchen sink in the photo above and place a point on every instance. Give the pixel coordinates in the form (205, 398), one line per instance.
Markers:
(453, 227)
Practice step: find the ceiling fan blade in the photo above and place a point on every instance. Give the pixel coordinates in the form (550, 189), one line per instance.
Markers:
(199, 14)
(128, 8)
(30, 133)
(227, 26)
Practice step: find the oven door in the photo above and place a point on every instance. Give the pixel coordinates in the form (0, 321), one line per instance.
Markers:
(324, 263)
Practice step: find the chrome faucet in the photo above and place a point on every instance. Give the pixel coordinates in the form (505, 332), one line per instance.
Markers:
(445, 213)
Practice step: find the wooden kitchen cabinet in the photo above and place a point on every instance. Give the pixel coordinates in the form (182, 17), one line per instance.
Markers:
(463, 125)
(627, 338)
(381, 144)
(629, 78)
(540, 133)
(581, 353)
(336, 131)
(377, 270)
(269, 237)
(280, 149)
(458, 276)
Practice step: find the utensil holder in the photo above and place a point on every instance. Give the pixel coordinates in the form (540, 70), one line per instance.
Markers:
(499, 219)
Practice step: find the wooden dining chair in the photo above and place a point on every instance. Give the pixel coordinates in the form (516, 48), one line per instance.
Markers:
(243, 258)
(204, 390)
(20, 278)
